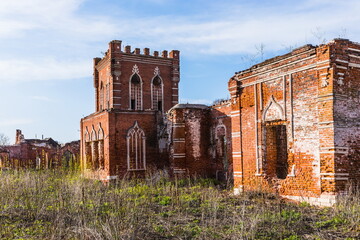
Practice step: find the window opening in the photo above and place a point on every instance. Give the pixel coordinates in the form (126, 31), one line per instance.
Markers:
(136, 148)
(135, 92)
(157, 93)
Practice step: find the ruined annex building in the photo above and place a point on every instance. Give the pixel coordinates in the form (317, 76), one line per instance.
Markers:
(44, 153)
(291, 124)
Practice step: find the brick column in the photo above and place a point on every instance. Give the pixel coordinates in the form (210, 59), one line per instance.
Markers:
(96, 82)
(178, 157)
(114, 74)
(175, 55)
(237, 154)
(326, 121)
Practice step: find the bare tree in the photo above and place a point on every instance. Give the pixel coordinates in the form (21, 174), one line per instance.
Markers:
(319, 34)
(260, 50)
(4, 140)
(258, 56)
(343, 33)
(289, 48)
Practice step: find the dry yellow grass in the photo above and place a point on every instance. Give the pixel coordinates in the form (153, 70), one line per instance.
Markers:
(60, 205)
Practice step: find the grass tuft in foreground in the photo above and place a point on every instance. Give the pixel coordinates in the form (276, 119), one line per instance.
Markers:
(59, 205)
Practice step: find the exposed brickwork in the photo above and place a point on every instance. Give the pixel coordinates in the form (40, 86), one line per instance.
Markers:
(311, 97)
(220, 136)
(190, 139)
(39, 153)
(290, 126)
(133, 90)
(201, 140)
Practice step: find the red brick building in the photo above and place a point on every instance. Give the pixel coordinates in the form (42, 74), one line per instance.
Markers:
(39, 153)
(132, 90)
(295, 122)
(291, 124)
(200, 138)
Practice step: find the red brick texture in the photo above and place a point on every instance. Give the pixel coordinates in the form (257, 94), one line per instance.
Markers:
(39, 154)
(133, 90)
(201, 140)
(295, 126)
(290, 126)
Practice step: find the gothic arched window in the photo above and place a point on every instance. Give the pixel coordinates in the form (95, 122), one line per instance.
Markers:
(220, 141)
(88, 151)
(101, 147)
(135, 92)
(136, 156)
(157, 93)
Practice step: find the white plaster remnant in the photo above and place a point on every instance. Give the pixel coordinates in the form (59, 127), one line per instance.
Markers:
(340, 81)
(273, 111)
(324, 82)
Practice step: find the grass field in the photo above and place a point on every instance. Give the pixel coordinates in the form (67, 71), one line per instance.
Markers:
(59, 205)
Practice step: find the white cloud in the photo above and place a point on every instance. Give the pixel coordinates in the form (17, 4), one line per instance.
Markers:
(43, 70)
(240, 28)
(58, 16)
(229, 28)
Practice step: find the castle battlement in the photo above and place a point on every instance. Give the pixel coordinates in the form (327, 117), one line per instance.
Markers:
(115, 47)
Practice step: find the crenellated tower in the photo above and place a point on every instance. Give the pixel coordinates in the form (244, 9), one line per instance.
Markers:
(132, 91)
(135, 80)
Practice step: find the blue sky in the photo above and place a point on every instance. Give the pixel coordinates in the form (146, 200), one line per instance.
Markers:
(46, 48)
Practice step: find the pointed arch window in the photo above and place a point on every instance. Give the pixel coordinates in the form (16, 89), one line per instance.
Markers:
(157, 93)
(93, 135)
(94, 149)
(101, 147)
(221, 147)
(135, 88)
(88, 151)
(136, 156)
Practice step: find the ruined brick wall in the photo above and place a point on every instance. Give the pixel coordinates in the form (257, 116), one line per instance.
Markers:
(70, 155)
(200, 139)
(9, 153)
(295, 122)
(190, 140)
(220, 149)
(345, 62)
(91, 126)
(35, 153)
(280, 93)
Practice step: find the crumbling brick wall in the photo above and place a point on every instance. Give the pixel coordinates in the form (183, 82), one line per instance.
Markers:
(37, 153)
(345, 62)
(298, 95)
(220, 149)
(190, 139)
(201, 140)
